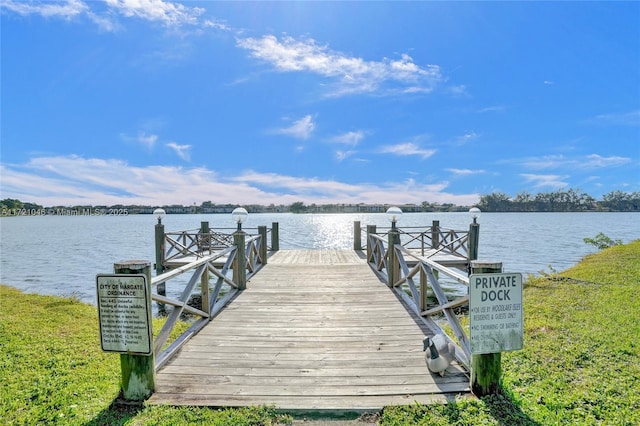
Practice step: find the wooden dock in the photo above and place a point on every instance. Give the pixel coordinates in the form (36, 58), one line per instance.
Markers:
(314, 256)
(314, 330)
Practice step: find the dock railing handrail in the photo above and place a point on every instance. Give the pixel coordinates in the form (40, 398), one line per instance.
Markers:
(425, 239)
(377, 254)
(214, 296)
(194, 242)
(410, 265)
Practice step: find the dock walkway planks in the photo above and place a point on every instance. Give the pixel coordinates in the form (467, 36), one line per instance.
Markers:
(314, 330)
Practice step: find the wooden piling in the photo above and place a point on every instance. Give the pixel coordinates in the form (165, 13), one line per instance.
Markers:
(435, 234)
(204, 227)
(240, 263)
(371, 229)
(357, 236)
(486, 369)
(393, 268)
(204, 279)
(424, 284)
(262, 230)
(275, 237)
(160, 251)
(137, 371)
(474, 239)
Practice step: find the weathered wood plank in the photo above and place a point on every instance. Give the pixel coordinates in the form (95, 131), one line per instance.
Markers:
(324, 257)
(320, 372)
(322, 333)
(356, 346)
(293, 390)
(378, 376)
(307, 380)
(313, 403)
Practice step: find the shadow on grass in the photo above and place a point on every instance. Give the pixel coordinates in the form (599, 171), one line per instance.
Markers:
(506, 410)
(117, 413)
(500, 408)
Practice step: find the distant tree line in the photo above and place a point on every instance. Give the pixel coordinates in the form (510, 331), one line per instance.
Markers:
(572, 200)
(13, 204)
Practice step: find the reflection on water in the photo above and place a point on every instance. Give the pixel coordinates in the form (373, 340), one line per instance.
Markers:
(61, 255)
(317, 231)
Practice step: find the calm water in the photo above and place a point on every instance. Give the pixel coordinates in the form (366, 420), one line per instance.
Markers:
(61, 255)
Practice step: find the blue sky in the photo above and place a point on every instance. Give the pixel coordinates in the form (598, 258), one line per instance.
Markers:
(159, 102)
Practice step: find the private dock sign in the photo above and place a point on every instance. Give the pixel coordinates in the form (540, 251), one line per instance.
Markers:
(495, 312)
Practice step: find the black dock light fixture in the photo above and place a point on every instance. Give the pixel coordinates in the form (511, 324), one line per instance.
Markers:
(475, 214)
(239, 215)
(394, 214)
(159, 213)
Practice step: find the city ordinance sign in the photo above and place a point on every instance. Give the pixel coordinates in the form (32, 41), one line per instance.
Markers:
(125, 320)
(495, 312)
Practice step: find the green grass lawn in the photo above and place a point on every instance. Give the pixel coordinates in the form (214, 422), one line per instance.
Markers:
(580, 363)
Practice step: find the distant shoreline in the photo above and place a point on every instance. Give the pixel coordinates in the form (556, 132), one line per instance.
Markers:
(127, 212)
(570, 201)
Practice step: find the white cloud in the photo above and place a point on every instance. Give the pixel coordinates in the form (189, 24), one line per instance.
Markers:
(343, 155)
(493, 108)
(213, 23)
(459, 90)
(405, 149)
(465, 172)
(631, 118)
(595, 161)
(544, 162)
(48, 181)
(546, 181)
(169, 13)
(104, 22)
(147, 140)
(292, 183)
(349, 138)
(181, 150)
(466, 138)
(592, 161)
(313, 190)
(73, 180)
(66, 10)
(348, 74)
(300, 129)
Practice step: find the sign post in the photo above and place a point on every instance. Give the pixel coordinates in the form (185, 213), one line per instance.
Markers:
(125, 316)
(495, 322)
